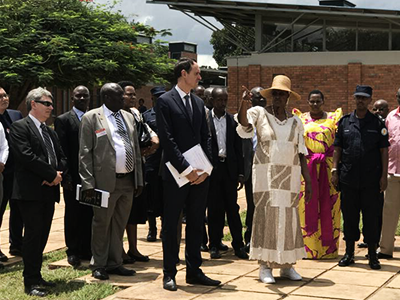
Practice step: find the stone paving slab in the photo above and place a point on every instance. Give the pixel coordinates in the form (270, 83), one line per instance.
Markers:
(386, 294)
(395, 282)
(307, 274)
(373, 279)
(332, 290)
(238, 295)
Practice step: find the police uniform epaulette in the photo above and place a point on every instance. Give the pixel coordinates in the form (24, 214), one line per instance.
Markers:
(379, 118)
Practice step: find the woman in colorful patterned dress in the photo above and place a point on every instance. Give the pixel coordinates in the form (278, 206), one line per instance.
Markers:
(279, 161)
(320, 218)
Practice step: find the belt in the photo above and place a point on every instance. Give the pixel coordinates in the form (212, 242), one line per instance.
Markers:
(122, 175)
(221, 158)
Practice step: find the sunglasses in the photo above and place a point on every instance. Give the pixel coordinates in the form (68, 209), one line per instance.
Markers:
(378, 109)
(45, 103)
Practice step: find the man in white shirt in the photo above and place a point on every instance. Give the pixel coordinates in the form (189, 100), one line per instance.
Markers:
(110, 160)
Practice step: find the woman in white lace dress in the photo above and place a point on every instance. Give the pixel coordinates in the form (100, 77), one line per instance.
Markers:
(279, 162)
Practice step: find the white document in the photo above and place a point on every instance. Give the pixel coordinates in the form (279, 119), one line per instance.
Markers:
(99, 193)
(196, 157)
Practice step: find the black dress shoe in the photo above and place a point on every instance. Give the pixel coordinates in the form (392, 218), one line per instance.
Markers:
(152, 235)
(46, 283)
(201, 279)
(222, 247)
(74, 260)
(247, 248)
(100, 274)
(142, 258)
(122, 271)
(128, 261)
(362, 245)
(204, 248)
(383, 255)
(241, 253)
(214, 253)
(346, 260)
(169, 284)
(35, 290)
(374, 263)
(3, 257)
(15, 252)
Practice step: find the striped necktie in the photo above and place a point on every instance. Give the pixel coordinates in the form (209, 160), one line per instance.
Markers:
(127, 143)
(49, 145)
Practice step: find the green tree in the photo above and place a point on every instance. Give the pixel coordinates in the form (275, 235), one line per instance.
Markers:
(64, 43)
(223, 47)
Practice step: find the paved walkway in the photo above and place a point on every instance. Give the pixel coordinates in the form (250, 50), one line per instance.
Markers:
(321, 279)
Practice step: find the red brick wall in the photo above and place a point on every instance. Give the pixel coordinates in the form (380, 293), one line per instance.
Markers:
(336, 82)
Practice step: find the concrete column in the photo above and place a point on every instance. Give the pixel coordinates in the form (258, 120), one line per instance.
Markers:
(259, 33)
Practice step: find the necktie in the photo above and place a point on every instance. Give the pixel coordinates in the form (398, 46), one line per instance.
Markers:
(188, 108)
(127, 143)
(48, 144)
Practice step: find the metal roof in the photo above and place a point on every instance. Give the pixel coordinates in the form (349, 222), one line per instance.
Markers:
(244, 12)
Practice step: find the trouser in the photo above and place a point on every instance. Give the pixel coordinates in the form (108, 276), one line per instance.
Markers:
(37, 216)
(109, 224)
(366, 201)
(194, 198)
(77, 225)
(248, 186)
(391, 212)
(223, 199)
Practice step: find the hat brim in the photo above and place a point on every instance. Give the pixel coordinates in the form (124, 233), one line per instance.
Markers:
(159, 93)
(362, 94)
(267, 93)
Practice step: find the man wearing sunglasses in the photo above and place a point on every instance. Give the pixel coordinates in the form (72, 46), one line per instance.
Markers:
(39, 164)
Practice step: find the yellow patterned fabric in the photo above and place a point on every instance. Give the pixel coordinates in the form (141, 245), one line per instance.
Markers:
(320, 218)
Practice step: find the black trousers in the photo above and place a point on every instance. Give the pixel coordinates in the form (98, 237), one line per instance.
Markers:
(194, 198)
(77, 226)
(37, 217)
(15, 221)
(222, 198)
(367, 201)
(248, 186)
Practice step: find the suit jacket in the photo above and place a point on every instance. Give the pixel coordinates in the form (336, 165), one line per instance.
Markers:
(9, 117)
(177, 133)
(234, 151)
(67, 128)
(32, 163)
(97, 154)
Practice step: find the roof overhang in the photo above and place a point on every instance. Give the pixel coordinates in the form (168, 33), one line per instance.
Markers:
(244, 12)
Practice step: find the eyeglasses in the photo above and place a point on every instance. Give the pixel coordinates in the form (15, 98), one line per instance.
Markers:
(3, 96)
(378, 109)
(45, 103)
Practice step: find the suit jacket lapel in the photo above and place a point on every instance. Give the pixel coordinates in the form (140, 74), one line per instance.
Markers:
(75, 119)
(212, 127)
(104, 123)
(33, 127)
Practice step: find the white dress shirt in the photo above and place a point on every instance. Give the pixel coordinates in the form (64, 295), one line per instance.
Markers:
(3, 146)
(120, 154)
(220, 130)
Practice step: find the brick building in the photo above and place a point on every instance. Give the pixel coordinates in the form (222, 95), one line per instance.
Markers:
(332, 46)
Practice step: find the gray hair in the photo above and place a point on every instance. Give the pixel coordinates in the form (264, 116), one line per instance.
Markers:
(36, 94)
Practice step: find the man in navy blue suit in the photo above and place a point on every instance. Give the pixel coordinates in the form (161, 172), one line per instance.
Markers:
(7, 117)
(182, 124)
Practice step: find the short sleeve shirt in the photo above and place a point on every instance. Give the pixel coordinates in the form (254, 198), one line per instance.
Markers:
(361, 141)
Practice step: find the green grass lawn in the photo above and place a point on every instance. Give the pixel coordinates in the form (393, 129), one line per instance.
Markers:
(12, 288)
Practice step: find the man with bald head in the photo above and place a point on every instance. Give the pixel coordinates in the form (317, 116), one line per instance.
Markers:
(207, 96)
(110, 160)
(77, 217)
(199, 91)
(381, 108)
(391, 207)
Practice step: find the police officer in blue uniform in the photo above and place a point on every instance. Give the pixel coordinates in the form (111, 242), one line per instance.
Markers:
(360, 166)
(151, 170)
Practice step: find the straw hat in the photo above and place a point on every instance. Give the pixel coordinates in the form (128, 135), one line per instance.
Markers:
(281, 82)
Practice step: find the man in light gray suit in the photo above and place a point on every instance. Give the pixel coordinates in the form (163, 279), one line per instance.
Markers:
(110, 160)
